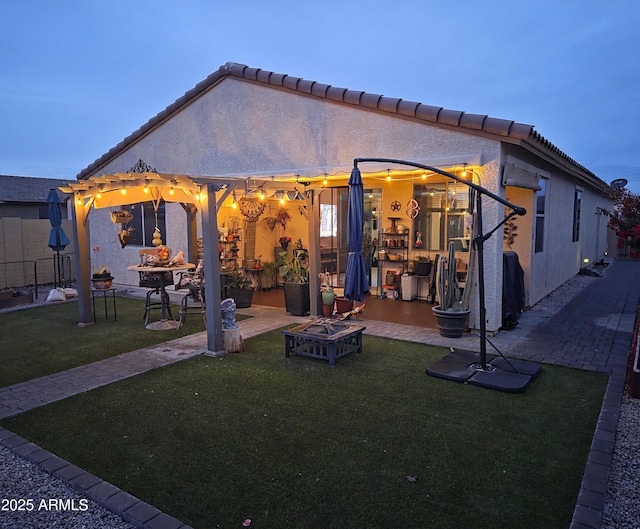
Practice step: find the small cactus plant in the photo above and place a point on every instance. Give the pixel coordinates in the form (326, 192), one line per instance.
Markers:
(447, 287)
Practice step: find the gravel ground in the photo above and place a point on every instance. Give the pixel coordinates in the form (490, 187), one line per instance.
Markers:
(22, 479)
(41, 496)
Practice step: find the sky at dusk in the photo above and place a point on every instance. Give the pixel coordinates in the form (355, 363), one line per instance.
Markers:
(78, 76)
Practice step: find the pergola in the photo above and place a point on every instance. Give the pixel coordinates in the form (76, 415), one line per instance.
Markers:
(193, 193)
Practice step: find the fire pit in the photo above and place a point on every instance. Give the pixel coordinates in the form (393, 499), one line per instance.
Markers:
(325, 338)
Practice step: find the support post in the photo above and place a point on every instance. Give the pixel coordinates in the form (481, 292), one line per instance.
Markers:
(212, 269)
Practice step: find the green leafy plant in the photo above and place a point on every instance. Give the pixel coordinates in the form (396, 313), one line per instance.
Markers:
(238, 280)
(294, 265)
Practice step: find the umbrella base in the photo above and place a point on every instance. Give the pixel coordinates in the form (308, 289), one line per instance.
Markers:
(511, 376)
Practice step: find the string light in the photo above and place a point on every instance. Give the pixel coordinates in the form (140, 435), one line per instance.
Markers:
(146, 187)
(198, 194)
(171, 190)
(424, 176)
(234, 203)
(388, 176)
(123, 191)
(325, 181)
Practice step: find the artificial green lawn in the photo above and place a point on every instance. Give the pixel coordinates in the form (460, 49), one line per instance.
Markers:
(293, 443)
(45, 340)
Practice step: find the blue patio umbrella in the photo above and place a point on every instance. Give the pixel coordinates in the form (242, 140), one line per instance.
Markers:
(356, 284)
(58, 239)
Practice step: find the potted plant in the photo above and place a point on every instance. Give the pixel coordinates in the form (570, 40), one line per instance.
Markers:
(422, 265)
(451, 314)
(269, 274)
(239, 288)
(101, 277)
(294, 269)
(327, 294)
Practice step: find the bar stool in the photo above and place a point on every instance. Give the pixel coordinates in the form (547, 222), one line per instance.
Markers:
(155, 281)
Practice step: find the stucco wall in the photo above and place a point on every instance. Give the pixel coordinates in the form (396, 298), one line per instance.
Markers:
(244, 129)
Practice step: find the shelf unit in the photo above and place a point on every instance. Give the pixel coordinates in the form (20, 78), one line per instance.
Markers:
(392, 241)
(229, 255)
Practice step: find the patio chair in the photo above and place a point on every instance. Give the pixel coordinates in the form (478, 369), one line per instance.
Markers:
(155, 281)
(193, 283)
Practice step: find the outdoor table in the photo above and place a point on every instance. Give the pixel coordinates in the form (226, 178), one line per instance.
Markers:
(104, 292)
(163, 324)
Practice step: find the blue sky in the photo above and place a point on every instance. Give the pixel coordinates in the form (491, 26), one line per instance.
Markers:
(78, 76)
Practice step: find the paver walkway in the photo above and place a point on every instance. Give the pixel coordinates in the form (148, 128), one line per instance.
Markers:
(593, 331)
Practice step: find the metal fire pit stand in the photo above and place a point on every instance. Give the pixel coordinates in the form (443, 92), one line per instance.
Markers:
(326, 339)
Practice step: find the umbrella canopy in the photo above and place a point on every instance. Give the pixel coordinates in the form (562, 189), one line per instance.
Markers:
(58, 239)
(356, 285)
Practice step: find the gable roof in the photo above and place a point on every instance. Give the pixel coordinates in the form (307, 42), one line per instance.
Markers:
(29, 189)
(479, 124)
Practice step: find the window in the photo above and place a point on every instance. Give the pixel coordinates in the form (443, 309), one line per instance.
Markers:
(540, 209)
(441, 218)
(328, 220)
(577, 201)
(144, 223)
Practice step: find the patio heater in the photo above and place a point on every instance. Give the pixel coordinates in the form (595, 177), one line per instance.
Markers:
(459, 365)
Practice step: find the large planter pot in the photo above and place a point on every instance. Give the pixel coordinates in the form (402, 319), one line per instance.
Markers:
(451, 324)
(422, 268)
(242, 297)
(296, 298)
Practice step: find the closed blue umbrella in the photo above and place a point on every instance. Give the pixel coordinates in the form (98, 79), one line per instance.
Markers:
(356, 284)
(58, 239)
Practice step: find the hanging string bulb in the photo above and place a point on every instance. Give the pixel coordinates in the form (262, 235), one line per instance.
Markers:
(388, 176)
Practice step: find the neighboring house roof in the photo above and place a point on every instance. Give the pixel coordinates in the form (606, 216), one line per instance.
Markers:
(498, 129)
(28, 189)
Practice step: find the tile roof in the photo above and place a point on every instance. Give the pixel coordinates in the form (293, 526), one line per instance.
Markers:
(500, 129)
(28, 188)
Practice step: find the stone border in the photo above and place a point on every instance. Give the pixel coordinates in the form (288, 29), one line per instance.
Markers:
(131, 509)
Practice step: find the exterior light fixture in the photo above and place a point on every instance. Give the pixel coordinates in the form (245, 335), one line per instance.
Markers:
(388, 176)
(171, 190)
(123, 191)
(146, 187)
(424, 176)
(234, 202)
